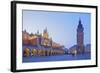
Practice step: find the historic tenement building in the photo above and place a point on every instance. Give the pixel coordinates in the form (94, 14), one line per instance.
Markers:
(40, 44)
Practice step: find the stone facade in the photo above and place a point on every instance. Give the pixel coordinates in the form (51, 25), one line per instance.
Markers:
(44, 46)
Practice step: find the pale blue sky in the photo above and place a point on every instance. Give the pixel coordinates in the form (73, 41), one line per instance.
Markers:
(61, 26)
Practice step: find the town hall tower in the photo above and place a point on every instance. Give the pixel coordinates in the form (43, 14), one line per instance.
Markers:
(80, 37)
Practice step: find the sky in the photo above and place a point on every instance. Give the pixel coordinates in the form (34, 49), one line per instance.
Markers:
(61, 26)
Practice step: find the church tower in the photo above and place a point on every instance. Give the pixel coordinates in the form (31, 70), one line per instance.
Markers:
(80, 37)
(45, 34)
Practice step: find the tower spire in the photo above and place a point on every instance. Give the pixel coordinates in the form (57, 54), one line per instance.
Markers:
(38, 32)
(45, 33)
(79, 20)
(45, 30)
(80, 26)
